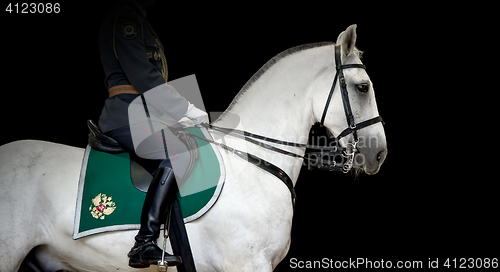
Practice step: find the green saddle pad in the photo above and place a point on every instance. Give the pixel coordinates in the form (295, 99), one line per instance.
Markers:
(108, 201)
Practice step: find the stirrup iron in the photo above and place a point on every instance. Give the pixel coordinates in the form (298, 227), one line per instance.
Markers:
(163, 265)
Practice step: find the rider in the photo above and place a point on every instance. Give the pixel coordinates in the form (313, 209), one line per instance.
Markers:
(134, 63)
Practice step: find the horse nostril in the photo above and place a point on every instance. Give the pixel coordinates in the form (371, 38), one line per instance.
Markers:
(379, 156)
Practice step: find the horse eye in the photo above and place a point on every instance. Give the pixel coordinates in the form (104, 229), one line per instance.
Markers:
(362, 88)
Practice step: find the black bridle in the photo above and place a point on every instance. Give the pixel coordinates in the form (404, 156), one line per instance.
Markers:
(352, 127)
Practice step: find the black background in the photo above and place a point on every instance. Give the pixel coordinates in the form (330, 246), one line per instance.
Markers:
(415, 208)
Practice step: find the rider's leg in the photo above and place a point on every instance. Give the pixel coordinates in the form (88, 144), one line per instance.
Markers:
(163, 145)
(158, 199)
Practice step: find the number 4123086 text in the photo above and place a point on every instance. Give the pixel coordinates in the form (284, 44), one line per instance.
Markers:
(33, 8)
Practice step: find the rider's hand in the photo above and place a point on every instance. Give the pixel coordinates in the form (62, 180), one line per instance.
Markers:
(196, 115)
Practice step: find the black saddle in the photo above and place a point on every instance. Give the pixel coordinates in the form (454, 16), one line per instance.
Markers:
(138, 174)
(100, 141)
(141, 178)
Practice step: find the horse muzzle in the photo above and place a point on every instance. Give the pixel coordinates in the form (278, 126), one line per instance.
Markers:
(370, 159)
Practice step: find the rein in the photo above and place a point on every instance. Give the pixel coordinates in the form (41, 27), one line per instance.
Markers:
(259, 162)
(251, 137)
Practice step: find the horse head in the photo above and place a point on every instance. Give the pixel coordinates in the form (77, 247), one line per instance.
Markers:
(359, 92)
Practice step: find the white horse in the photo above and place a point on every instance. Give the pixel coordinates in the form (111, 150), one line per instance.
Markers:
(249, 227)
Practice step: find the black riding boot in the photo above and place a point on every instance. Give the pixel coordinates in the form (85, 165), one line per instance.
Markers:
(158, 199)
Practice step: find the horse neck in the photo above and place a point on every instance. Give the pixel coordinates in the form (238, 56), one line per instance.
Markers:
(277, 102)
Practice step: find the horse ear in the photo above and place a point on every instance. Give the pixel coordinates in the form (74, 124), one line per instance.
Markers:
(347, 39)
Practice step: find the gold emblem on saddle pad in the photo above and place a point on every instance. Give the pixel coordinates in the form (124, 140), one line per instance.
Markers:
(102, 206)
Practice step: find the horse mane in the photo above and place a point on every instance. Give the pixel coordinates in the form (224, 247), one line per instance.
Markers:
(275, 59)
